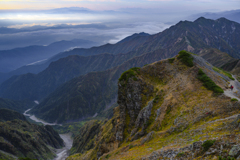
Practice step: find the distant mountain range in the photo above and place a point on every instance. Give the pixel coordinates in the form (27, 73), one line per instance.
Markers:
(15, 58)
(86, 95)
(124, 46)
(232, 15)
(67, 68)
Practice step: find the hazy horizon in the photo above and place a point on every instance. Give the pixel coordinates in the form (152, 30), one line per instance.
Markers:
(25, 23)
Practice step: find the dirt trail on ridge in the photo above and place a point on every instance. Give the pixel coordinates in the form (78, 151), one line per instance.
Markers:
(236, 89)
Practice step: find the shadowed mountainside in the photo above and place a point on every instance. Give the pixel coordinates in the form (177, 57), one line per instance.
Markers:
(19, 138)
(221, 60)
(9, 115)
(124, 46)
(15, 58)
(191, 36)
(19, 106)
(73, 101)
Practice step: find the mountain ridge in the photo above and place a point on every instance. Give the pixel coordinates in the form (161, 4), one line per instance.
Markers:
(166, 44)
(165, 111)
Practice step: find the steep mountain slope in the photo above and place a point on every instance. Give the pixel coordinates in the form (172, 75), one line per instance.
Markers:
(171, 109)
(124, 46)
(9, 115)
(59, 72)
(233, 67)
(15, 58)
(19, 106)
(221, 60)
(191, 36)
(73, 101)
(19, 138)
(202, 33)
(216, 57)
(87, 95)
(195, 36)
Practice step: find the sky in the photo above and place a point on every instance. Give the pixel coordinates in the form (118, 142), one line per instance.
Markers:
(41, 22)
(219, 5)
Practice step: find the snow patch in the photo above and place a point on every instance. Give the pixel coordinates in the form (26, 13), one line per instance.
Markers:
(36, 62)
(95, 115)
(36, 102)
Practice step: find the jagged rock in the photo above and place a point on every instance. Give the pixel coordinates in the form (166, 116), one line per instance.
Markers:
(236, 122)
(235, 151)
(142, 120)
(158, 113)
(211, 151)
(130, 103)
(148, 137)
(144, 115)
(138, 135)
(161, 154)
(178, 128)
(197, 146)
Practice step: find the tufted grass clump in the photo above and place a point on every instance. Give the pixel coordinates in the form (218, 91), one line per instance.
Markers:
(156, 99)
(186, 58)
(108, 156)
(228, 158)
(234, 99)
(180, 154)
(129, 73)
(131, 146)
(171, 60)
(208, 83)
(207, 144)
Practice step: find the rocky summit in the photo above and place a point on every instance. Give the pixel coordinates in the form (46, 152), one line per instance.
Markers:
(171, 109)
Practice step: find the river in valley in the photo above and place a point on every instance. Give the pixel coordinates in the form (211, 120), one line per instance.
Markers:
(62, 153)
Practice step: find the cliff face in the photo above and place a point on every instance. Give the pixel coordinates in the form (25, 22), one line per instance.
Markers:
(19, 138)
(169, 110)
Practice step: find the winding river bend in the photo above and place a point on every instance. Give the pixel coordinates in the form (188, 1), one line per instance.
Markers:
(62, 153)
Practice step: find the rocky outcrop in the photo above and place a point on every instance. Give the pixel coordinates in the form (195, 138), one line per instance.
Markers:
(166, 112)
(132, 95)
(141, 121)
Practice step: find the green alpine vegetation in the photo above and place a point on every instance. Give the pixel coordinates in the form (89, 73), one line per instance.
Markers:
(19, 138)
(129, 73)
(234, 99)
(186, 58)
(171, 60)
(208, 83)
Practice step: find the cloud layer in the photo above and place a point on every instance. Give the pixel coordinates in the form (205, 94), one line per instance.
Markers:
(41, 22)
